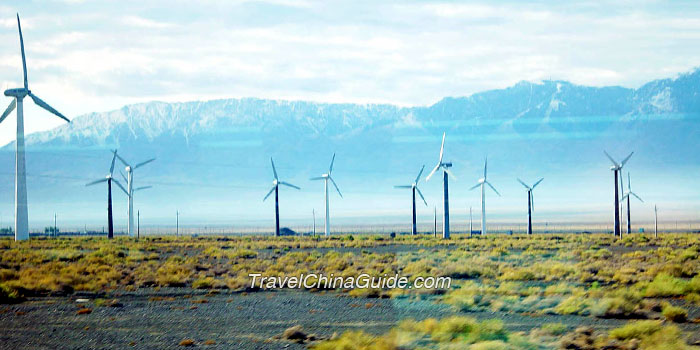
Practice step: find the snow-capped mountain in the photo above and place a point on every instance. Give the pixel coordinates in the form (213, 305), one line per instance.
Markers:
(212, 151)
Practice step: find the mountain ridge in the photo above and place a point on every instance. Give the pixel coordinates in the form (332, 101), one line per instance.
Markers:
(213, 156)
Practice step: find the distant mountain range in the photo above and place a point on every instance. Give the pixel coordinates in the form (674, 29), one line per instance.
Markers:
(213, 156)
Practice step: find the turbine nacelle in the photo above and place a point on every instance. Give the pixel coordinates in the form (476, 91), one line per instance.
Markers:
(18, 93)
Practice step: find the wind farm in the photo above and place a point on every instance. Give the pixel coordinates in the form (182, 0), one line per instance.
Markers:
(198, 261)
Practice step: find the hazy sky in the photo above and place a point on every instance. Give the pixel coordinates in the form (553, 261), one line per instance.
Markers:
(86, 56)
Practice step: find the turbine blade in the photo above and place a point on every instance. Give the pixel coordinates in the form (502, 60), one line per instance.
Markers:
(121, 159)
(421, 196)
(269, 193)
(626, 159)
(142, 188)
(114, 158)
(522, 183)
(442, 148)
(634, 194)
(624, 197)
(123, 177)
(629, 183)
(432, 172)
(46, 106)
(288, 184)
(493, 188)
(317, 178)
(143, 163)
(532, 201)
(537, 183)
(274, 171)
(9, 109)
(96, 182)
(120, 186)
(611, 158)
(450, 173)
(330, 168)
(486, 162)
(419, 174)
(403, 186)
(24, 61)
(475, 186)
(336, 186)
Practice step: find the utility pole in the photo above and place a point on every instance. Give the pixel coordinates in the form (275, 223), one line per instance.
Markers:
(55, 227)
(138, 224)
(177, 223)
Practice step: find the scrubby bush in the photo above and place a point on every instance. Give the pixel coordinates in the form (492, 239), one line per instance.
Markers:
(9, 296)
(665, 285)
(674, 313)
(652, 335)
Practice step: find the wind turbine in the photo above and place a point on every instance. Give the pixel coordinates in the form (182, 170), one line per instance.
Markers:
(482, 182)
(627, 197)
(325, 177)
(414, 188)
(530, 203)
(109, 179)
(129, 178)
(21, 214)
(275, 187)
(616, 168)
(445, 169)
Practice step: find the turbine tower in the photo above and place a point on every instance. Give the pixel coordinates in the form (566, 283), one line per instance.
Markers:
(483, 182)
(325, 177)
(275, 187)
(21, 214)
(109, 179)
(616, 168)
(627, 197)
(530, 203)
(414, 188)
(446, 171)
(129, 178)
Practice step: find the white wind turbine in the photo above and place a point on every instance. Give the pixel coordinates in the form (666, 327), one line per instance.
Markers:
(414, 188)
(627, 197)
(446, 171)
(325, 178)
(275, 187)
(21, 212)
(616, 168)
(129, 178)
(483, 182)
(530, 203)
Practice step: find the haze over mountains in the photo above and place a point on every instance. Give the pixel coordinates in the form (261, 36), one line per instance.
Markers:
(213, 156)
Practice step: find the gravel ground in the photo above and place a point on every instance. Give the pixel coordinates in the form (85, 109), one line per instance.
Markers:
(233, 321)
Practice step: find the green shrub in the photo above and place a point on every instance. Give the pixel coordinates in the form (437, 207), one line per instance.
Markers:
(636, 330)
(651, 335)
(674, 313)
(665, 285)
(9, 295)
(554, 329)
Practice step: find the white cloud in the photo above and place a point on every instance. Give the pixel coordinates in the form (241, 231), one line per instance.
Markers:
(141, 22)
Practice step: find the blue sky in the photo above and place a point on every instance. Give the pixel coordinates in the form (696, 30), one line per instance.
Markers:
(86, 56)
